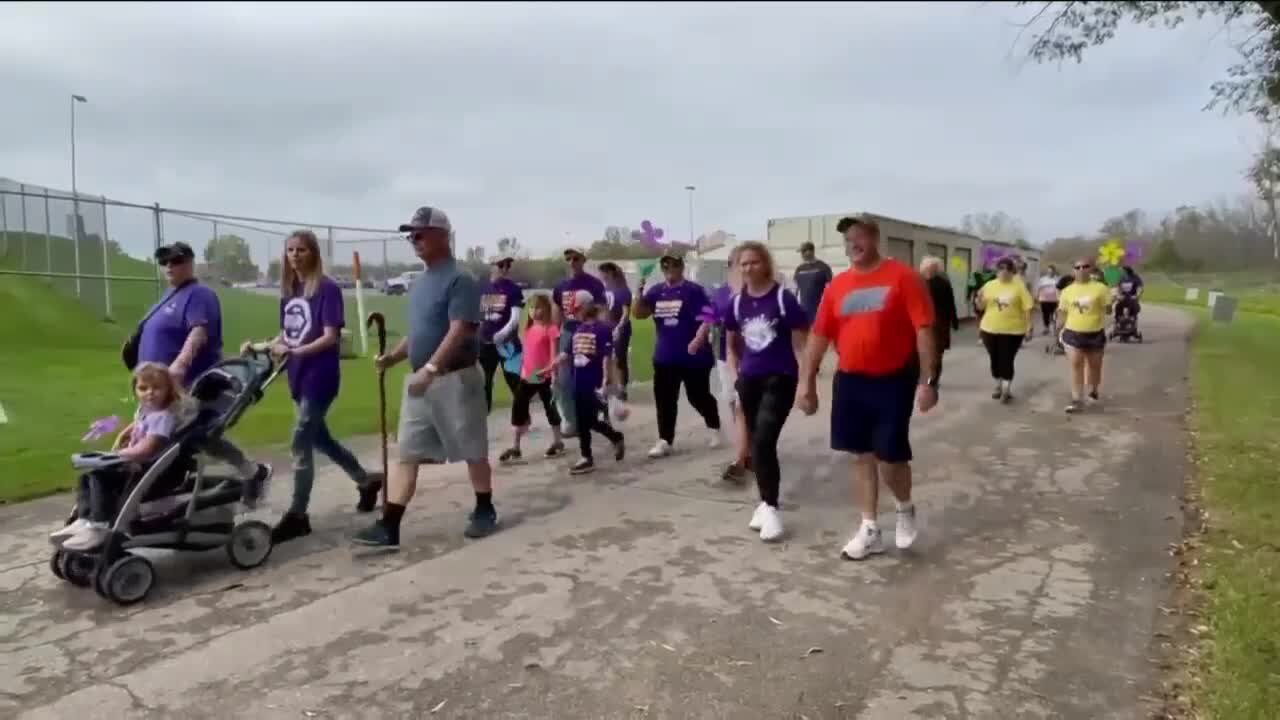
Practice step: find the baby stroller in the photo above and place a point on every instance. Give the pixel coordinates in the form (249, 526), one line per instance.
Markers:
(172, 504)
(1054, 346)
(1124, 327)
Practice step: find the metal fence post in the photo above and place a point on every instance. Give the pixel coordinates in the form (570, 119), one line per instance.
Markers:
(48, 239)
(106, 261)
(159, 242)
(75, 221)
(330, 247)
(4, 223)
(22, 198)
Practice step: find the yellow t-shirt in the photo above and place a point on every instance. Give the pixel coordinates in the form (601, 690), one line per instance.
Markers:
(1007, 306)
(1086, 306)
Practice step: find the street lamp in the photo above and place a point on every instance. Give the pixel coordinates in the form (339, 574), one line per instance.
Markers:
(75, 196)
(691, 188)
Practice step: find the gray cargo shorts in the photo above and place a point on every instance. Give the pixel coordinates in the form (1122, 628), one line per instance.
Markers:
(447, 423)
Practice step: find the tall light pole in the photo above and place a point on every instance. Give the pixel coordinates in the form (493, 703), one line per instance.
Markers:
(75, 196)
(691, 188)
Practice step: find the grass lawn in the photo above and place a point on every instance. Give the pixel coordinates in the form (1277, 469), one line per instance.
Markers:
(60, 370)
(1236, 421)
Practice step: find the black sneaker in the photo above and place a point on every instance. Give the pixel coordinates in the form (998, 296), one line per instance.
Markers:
(481, 523)
(1074, 406)
(377, 535)
(1093, 395)
(620, 449)
(508, 456)
(369, 490)
(556, 450)
(735, 473)
(291, 525)
(583, 466)
(255, 488)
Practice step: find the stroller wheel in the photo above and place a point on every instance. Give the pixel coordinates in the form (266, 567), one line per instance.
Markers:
(129, 579)
(76, 569)
(55, 564)
(249, 545)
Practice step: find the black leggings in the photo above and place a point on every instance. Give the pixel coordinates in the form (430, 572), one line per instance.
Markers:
(100, 494)
(666, 396)
(592, 415)
(1002, 349)
(490, 361)
(1047, 309)
(766, 403)
(524, 394)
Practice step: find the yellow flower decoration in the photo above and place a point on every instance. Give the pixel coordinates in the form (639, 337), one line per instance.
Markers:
(958, 264)
(1111, 254)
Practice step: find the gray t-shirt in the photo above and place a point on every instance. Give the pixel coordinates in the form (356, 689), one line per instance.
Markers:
(812, 279)
(442, 294)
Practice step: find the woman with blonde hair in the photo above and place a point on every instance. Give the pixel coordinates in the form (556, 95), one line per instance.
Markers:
(311, 321)
(765, 324)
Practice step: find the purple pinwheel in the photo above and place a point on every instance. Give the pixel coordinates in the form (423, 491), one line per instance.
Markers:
(991, 254)
(1133, 251)
(649, 235)
(101, 427)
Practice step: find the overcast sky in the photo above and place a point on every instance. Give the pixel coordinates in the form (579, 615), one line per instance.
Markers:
(551, 121)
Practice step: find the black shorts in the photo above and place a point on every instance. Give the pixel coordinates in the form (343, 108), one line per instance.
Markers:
(1085, 341)
(872, 413)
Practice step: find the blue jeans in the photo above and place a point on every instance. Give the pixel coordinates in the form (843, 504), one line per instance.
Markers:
(311, 433)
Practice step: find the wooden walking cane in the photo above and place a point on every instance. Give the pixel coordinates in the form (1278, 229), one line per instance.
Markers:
(381, 323)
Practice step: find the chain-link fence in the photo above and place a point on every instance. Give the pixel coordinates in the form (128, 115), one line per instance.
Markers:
(105, 258)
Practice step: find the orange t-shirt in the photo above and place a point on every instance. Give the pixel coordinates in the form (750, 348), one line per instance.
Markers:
(872, 317)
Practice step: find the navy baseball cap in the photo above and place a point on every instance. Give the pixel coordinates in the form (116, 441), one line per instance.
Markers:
(175, 251)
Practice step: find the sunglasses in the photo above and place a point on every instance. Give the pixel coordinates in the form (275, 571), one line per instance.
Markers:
(1084, 267)
(172, 261)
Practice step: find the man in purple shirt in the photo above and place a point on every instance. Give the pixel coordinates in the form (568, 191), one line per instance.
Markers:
(564, 314)
(618, 313)
(501, 303)
(184, 332)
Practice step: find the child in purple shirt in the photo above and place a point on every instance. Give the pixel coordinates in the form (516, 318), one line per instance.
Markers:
(590, 361)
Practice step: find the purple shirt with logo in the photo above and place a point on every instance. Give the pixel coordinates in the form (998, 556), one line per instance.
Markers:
(675, 315)
(181, 311)
(765, 330)
(498, 299)
(158, 423)
(590, 346)
(562, 295)
(619, 302)
(722, 299)
(303, 320)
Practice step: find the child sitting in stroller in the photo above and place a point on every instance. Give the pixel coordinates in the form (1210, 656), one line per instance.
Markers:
(98, 500)
(1127, 307)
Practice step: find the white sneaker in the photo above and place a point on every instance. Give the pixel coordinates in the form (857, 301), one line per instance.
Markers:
(771, 528)
(757, 517)
(660, 449)
(713, 441)
(67, 531)
(907, 531)
(88, 538)
(866, 542)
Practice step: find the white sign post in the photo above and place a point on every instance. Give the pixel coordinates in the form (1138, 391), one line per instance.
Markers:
(1193, 294)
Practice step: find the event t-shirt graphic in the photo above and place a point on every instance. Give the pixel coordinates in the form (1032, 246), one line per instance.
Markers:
(296, 323)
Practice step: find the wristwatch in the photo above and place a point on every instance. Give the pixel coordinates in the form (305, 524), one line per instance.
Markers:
(932, 382)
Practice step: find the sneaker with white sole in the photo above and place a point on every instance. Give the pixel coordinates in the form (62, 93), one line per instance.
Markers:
(660, 449)
(906, 532)
(714, 440)
(757, 517)
(771, 525)
(867, 541)
(68, 530)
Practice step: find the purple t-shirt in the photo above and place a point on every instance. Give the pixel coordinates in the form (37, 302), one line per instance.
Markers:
(498, 299)
(618, 300)
(765, 325)
(303, 320)
(181, 311)
(590, 346)
(562, 296)
(722, 299)
(675, 316)
(160, 423)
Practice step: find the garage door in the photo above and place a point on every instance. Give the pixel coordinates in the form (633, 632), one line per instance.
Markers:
(902, 250)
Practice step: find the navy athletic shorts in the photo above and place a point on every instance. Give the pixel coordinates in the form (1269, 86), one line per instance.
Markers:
(872, 413)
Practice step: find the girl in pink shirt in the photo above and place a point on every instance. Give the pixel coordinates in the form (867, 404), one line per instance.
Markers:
(537, 370)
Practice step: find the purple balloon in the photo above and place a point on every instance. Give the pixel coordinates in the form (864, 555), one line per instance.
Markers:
(657, 233)
(1133, 252)
(646, 226)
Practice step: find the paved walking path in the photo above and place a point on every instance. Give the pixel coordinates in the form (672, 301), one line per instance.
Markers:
(639, 592)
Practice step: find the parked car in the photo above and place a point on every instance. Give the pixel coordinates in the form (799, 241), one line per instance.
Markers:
(400, 285)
